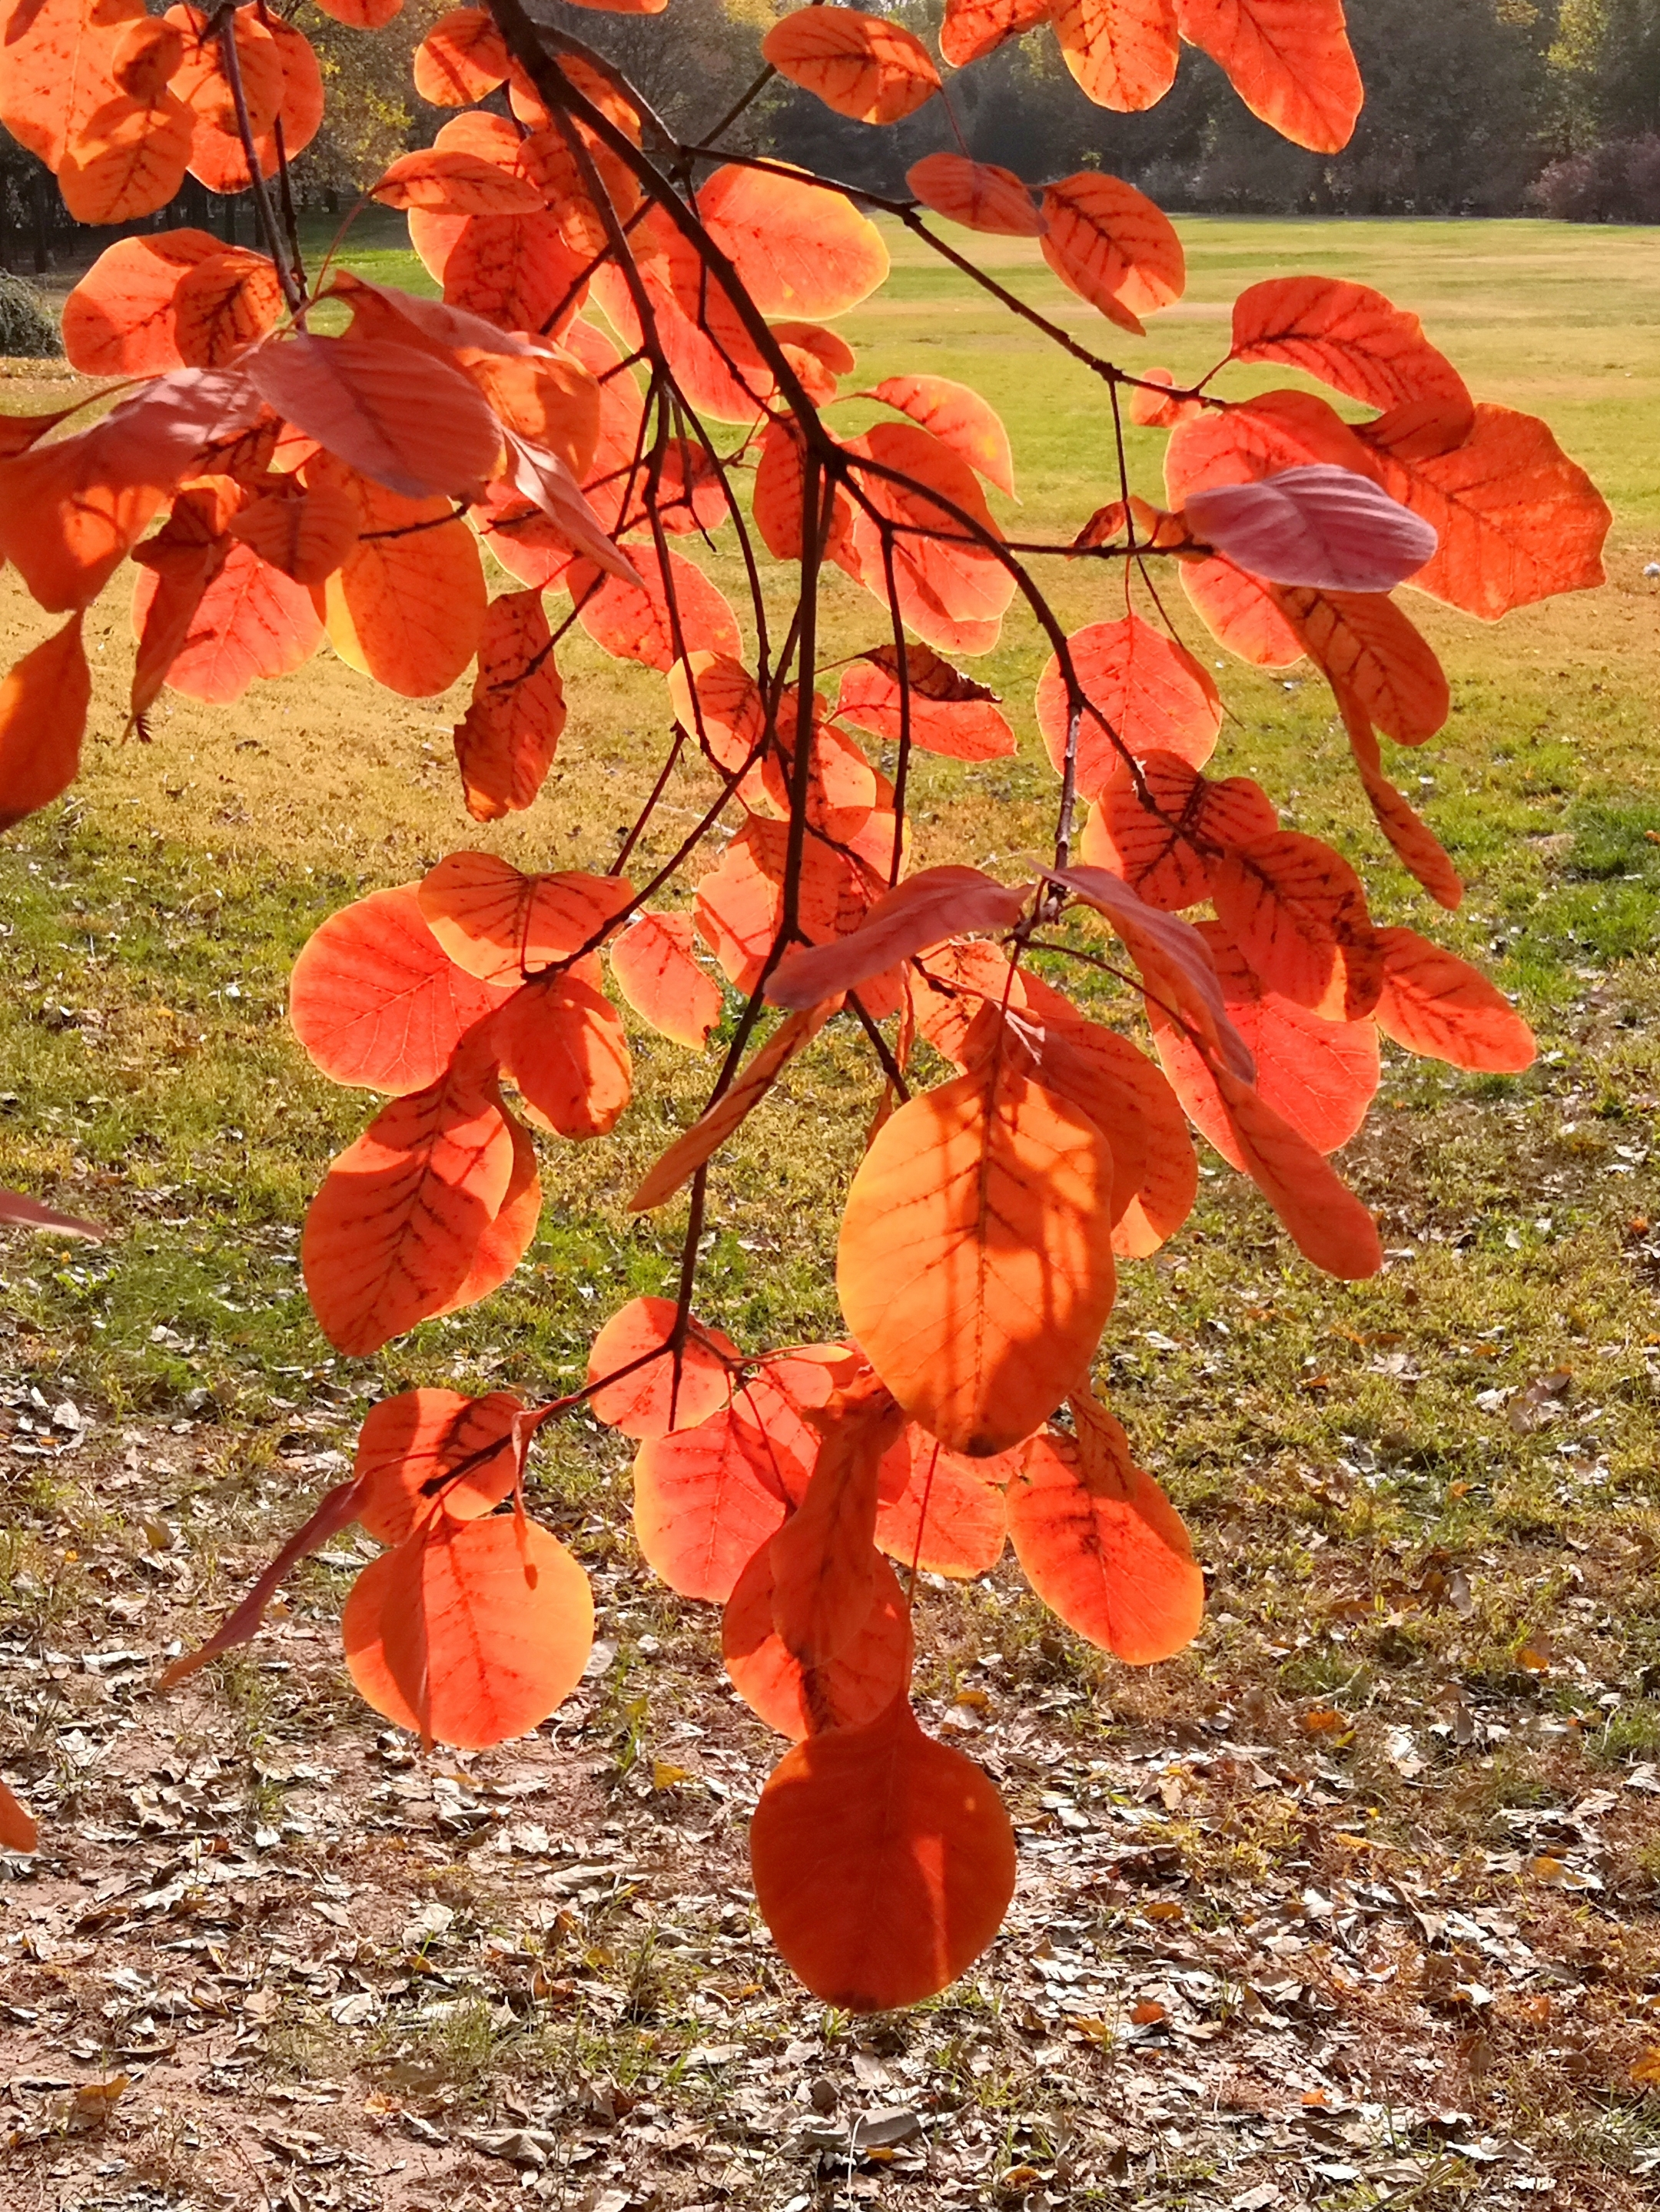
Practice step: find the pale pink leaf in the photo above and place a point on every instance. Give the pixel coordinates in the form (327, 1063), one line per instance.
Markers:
(1318, 525)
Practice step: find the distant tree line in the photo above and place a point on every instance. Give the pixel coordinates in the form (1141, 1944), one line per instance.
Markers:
(1480, 107)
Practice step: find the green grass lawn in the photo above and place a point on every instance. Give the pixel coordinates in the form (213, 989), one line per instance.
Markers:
(1335, 1448)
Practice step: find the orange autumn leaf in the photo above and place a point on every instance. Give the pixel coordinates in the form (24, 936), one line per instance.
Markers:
(658, 975)
(865, 67)
(407, 605)
(1289, 61)
(375, 1000)
(307, 535)
(1143, 693)
(974, 28)
(942, 1513)
(979, 195)
(427, 1451)
(502, 926)
(671, 610)
(118, 321)
(1123, 52)
(800, 249)
(1242, 613)
(505, 741)
(707, 1499)
(400, 416)
(250, 622)
(1434, 1003)
(882, 1862)
(470, 1633)
(1296, 911)
(1517, 519)
(1349, 336)
(916, 692)
(1101, 1544)
(1417, 847)
(445, 180)
(665, 1387)
(951, 586)
(824, 1561)
(1372, 655)
(1255, 438)
(1113, 246)
(43, 716)
(849, 1691)
(390, 1237)
(222, 303)
(462, 58)
(562, 1046)
(57, 66)
(975, 1264)
(1323, 1218)
(128, 159)
(1319, 1074)
(959, 418)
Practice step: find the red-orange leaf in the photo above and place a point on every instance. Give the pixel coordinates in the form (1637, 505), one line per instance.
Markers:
(867, 67)
(977, 194)
(562, 1045)
(1123, 52)
(1517, 521)
(974, 1265)
(1241, 613)
(1256, 438)
(471, 1631)
(951, 586)
(461, 59)
(800, 249)
(941, 902)
(1373, 656)
(658, 975)
(252, 621)
(672, 612)
(1101, 1544)
(427, 1451)
(939, 1512)
(854, 1688)
(663, 1388)
(707, 1499)
(376, 1000)
(222, 304)
(505, 743)
(959, 418)
(390, 1238)
(451, 182)
(1415, 844)
(824, 1565)
(1113, 246)
(948, 712)
(1289, 61)
(1350, 336)
(884, 1862)
(1436, 1004)
(58, 65)
(1324, 1219)
(128, 159)
(502, 926)
(400, 416)
(43, 716)
(1140, 687)
(1320, 1075)
(118, 321)
(407, 606)
(308, 537)
(1296, 909)
(973, 28)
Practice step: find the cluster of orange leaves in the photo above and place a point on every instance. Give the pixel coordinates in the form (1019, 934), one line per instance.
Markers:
(345, 484)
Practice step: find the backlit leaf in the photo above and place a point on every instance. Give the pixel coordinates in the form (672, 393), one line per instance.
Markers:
(1123, 52)
(399, 417)
(407, 606)
(1295, 908)
(667, 1388)
(390, 1237)
(882, 1862)
(461, 59)
(502, 925)
(251, 621)
(824, 1565)
(946, 711)
(43, 716)
(941, 1513)
(979, 195)
(128, 159)
(959, 418)
(867, 67)
(429, 1450)
(672, 610)
(1100, 1543)
(222, 304)
(1141, 688)
(974, 1265)
(800, 249)
(1113, 246)
(939, 903)
(505, 743)
(658, 975)
(306, 534)
(859, 1684)
(562, 1047)
(682, 1158)
(118, 321)
(376, 1000)
(952, 588)
(453, 182)
(1289, 61)
(973, 28)
(1371, 654)
(471, 1631)
(1350, 336)
(1434, 1003)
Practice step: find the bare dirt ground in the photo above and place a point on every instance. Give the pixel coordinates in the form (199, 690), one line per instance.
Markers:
(267, 1958)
